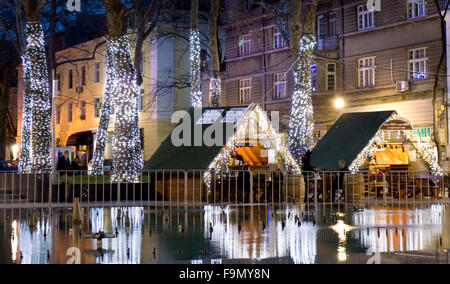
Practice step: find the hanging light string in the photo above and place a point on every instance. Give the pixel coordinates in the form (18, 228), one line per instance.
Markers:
(106, 108)
(40, 91)
(301, 124)
(27, 117)
(215, 89)
(196, 80)
(427, 155)
(127, 161)
(253, 119)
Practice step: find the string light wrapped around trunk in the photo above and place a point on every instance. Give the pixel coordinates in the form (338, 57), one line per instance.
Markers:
(126, 139)
(301, 124)
(40, 92)
(215, 88)
(106, 108)
(27, 117)
(196, 80)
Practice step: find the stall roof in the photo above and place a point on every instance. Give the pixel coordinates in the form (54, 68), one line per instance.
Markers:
(347, 138)
(171, 157)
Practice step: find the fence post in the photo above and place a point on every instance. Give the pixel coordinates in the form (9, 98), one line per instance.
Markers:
(384, 188)
(315, 190)
(186, 187)
(251, 188)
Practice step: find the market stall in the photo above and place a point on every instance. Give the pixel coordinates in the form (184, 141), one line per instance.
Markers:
(382, 145)
(238, 150)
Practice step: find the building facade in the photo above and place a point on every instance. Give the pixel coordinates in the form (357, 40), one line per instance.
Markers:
(385, 58)
(81, 83)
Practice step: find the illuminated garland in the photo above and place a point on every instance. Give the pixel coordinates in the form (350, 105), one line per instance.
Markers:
(215, 88)
(27, 116)
(125, 93)
(427, 156)
(40, 91)
(220, 164)
(196, 80)
(301, 124)
(102, 133)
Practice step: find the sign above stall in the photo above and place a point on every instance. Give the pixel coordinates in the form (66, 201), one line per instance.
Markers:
(233, 115)
(397, 125)
(210, 116)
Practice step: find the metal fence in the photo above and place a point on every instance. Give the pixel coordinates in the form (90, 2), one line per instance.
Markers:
(243, 187)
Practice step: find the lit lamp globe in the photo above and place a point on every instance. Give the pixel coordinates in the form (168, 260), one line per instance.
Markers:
(15, 151)
(339, 104)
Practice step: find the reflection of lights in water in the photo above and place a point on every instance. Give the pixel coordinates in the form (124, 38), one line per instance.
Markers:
(105, 219)
(397, 231)
(299, 243)
(342, 229)
(32, 243)
(14, 241)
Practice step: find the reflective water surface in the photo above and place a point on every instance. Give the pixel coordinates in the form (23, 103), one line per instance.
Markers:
(231, 234)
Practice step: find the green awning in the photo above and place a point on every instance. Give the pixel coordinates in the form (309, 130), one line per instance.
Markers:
(170, 157)
(347, 138)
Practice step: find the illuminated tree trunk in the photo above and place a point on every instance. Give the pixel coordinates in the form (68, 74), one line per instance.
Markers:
(195, 49)
(37, 69)
(102, 132)
(27, 118)
(127, 157)
(301, 123)
(125, 95)
(215, 84)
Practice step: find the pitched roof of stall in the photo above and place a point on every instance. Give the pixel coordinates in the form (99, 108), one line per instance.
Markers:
(347, 138)
(170, 157)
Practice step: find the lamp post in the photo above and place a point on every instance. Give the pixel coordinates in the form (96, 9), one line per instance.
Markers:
(339, 103)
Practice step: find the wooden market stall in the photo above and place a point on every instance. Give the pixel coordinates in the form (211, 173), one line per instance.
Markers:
(383, 148)
(239, 158)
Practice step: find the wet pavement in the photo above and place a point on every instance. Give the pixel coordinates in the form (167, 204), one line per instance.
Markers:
(227, 235)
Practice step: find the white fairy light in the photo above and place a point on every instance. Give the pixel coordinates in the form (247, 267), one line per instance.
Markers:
(102, 133)
(220, 164)
(301, 124)
(127, 157)
(27, 117)
(215, 88)
(427, 155)
(40, 91)
(196, 80)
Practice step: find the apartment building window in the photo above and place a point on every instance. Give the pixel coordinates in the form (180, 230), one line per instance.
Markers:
(416, 8)
(142, 101)
(278, 40)
(331, 76)
(70, 79)
(245, 45)
(58, 114)
(96, 72)
(58, 77)
(83, 111)
(83, 76)
(367, 72)
(280, 85)
(97, 107)
(69, 113)
(332, 24)
(142, 65)
(417, 62)
(245, 91)
(314, 77)
(365, 18)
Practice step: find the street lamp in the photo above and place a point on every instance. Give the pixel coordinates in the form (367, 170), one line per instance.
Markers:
(15, 151)
(339, 103)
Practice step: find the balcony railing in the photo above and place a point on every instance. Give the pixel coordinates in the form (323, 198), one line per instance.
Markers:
(327, 43)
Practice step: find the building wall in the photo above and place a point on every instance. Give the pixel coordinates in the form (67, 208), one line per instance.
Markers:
(389, 41)
(166, 66)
